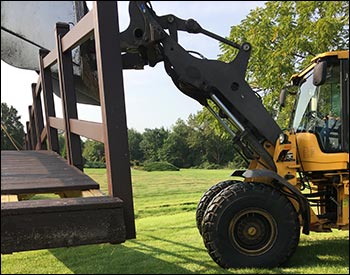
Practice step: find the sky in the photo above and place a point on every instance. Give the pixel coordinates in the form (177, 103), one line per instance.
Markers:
(151, 98)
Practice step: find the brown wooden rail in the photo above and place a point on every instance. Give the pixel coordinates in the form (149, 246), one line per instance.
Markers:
(101, 23)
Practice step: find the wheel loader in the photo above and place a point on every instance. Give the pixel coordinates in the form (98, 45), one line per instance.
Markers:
(256, 221)
(297, 179)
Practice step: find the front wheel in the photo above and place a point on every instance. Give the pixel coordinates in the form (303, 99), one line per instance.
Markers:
(206, 199)
(250, 225)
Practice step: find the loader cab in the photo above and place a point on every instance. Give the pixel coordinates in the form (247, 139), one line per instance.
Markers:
(322, 102)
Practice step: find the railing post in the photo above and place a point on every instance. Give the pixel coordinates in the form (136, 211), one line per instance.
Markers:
(38, 116)
(68, 97)
(25, 145)
(29, 137)
(46, 85)
(111, 87)
(32, 127)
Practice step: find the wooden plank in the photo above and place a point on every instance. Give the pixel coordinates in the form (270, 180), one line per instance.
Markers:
(56, 205)
(43, 224)
(57, 123)
(96, 192)
(50, 58)
(86, 193)
(89, 129)
(53, 186)
(82, 31)
(24, 172)
(9, 198)
(92, 193)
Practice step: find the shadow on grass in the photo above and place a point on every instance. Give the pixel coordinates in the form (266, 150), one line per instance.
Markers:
(113, 259)
(331, 252)
(143, 258)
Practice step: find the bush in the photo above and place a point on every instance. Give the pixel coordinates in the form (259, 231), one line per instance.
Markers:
(160, 166)
(208, 165)
(95, 164)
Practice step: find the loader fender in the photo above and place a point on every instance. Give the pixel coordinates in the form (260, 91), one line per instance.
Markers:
(279, 181)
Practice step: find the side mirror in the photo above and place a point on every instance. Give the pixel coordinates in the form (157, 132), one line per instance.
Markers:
(320, 73)
(289, 89)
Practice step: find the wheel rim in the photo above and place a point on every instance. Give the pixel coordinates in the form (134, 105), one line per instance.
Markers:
(253, 231)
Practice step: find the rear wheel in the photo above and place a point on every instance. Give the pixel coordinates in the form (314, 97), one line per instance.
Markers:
(250, 225)
(206, 199)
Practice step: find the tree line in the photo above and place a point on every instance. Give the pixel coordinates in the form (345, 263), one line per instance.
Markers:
(193, 143)
(196, 142)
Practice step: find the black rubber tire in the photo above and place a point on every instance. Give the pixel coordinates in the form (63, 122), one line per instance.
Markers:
(206, 199)
(250, 225)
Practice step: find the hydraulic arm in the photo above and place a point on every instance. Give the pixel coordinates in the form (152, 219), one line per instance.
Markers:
(146, 42)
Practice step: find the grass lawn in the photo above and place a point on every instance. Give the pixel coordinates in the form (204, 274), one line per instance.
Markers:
(167, 240)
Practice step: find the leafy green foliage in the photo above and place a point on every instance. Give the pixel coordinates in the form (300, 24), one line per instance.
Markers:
(285, 36)
(12, 133)
(94, 151)
(215, 143)
(195, 143)
(95, 164)
(62, 144)
(160, 166)
(152, 142)
(176, 148)
(135, 138)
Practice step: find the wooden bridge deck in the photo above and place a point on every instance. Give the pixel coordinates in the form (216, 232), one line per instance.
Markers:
(35, 172)
(81, 214)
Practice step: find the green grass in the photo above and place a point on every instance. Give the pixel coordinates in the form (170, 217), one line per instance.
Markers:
(164, 193)
(168, 241)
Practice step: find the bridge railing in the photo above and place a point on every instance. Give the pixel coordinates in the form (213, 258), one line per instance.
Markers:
(100, 23)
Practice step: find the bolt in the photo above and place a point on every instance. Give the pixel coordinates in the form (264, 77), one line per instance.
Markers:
(246, 47)
(251, 231)
(171, 19)
(234, 86)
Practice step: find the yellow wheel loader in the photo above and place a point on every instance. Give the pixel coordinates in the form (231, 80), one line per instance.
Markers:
(256, 221)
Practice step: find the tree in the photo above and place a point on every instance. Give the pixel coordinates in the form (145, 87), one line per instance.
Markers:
(12, 133)
(135, 138)
(210, 139)
(176, 149)
(94, 151)
(62, 144)
(285, 36)
(152, 142)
